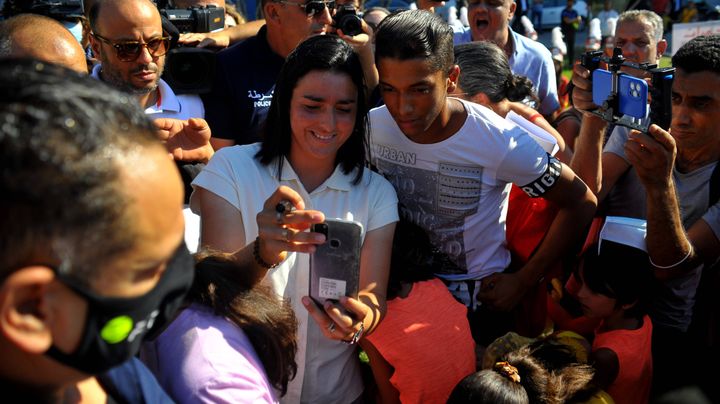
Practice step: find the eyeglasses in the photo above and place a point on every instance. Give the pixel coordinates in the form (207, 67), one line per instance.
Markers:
(312, 7)
(128, 51)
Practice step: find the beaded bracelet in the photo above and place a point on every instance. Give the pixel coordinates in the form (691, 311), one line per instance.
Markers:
(258, 258)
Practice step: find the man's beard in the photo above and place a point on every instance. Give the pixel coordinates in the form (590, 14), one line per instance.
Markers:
(112, 77)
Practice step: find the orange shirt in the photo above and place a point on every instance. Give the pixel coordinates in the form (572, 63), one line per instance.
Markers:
(426, 338)
(632, 347)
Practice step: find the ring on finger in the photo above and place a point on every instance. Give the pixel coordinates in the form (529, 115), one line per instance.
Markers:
(286, 235)
(279, 217)
(331, 327)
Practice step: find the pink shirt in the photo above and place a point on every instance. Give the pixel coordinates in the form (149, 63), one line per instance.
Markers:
(426, 338)
(204, 358)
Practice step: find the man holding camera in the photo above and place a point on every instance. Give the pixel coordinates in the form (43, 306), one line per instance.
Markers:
(639, 35)
(489, 21)
(128, 39)
(679, 176)
(245, 74)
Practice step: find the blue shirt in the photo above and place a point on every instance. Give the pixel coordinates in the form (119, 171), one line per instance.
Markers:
(132, 382)
(571, 14)
(530, 59)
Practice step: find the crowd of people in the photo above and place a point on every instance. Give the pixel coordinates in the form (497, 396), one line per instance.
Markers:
(158, 245)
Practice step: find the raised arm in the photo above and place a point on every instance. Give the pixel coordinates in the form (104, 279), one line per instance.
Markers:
(672, 250)
(598, 170)
(362, 44)
(224, 38)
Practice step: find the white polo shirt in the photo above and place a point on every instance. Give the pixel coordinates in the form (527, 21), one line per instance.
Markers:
(169, 105)
(328, 370)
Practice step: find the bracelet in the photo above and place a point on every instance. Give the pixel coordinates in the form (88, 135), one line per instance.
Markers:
(690, 251)
(356, 337)
(258, 258)
(535, 117)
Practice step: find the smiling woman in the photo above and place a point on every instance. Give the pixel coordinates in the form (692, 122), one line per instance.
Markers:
(312, 160)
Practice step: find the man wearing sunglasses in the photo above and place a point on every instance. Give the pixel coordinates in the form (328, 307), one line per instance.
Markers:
(128, 39)
(245, 74)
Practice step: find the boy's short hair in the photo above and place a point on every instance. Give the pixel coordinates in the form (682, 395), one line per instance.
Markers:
(416, 34)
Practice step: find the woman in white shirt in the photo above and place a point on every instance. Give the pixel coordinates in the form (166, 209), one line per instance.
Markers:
(313, 159)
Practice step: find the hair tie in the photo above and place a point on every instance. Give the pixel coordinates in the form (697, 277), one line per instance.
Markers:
(507, 370)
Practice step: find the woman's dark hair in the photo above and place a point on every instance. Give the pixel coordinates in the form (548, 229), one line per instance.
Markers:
(521, 377)
(620, 272)
(317, 53)
(415, 34)
(268, 322)
(484, 68)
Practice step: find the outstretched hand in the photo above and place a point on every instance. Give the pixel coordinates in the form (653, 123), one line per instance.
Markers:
(219, 39)
(188, 140)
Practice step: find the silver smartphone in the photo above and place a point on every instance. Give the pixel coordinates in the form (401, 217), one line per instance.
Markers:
(335, 264)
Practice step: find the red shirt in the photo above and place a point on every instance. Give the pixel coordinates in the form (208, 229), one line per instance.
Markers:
(426, 338)
(632, 347)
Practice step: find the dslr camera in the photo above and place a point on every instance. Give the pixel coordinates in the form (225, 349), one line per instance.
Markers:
(346, 18)
(623, 99)
(190, 70)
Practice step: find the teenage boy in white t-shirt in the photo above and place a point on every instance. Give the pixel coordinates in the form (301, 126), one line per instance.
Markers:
(452, 163)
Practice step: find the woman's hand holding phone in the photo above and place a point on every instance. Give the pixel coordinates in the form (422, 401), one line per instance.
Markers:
(343, 321)
(283, 229)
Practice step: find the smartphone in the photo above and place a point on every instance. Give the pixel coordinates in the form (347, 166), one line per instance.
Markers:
(632, 92)
(335, 264)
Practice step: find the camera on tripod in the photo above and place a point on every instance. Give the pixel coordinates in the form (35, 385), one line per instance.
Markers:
(347, 19)
(190, 70)
(623, 99)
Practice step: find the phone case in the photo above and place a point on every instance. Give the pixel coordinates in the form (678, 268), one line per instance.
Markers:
(632, 91)
(335, 264)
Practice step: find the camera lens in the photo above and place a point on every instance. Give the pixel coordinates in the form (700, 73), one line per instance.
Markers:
(334, 243)
(321, 228)
(351, 25)
(347, 20)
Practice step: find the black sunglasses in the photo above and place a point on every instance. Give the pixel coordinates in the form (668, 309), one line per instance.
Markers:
(128, 51)
(312, 7)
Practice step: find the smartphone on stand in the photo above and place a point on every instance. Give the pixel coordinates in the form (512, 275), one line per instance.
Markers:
(335, 264)
(632, 92)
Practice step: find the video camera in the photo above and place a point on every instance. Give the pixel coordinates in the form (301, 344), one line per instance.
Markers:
(196, 19)
(622, 98)
(190, 70)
